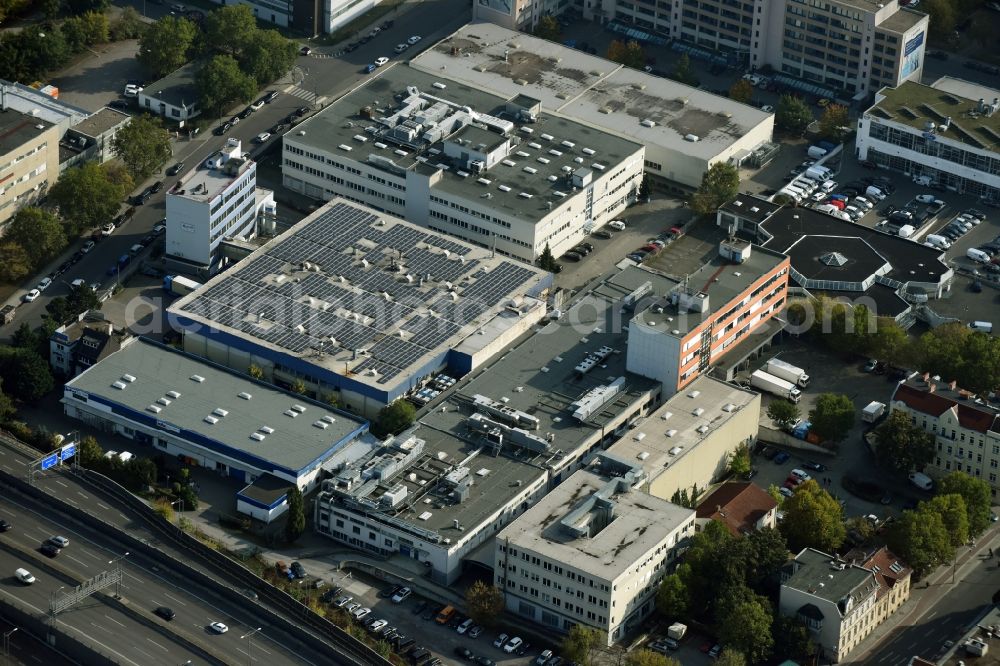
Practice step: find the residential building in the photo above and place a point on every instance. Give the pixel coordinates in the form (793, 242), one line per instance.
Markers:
(491, 171)
(742, 507)
(184, 407)
(175, 96)
(842, 600)
(29, 160)
(948, 131)
(687, 441)
(360, 306)
(592, 552)
(215, 200)
(684, 330)
(842, 260)
(77, 346)
(90, 139)
(966, 427)
(684, 129)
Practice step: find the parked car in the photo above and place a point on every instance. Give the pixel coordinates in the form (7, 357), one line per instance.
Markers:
(413, 40)
(262, 137)
(381, 60)
(175, 169)
(270, 96)
(782, 457)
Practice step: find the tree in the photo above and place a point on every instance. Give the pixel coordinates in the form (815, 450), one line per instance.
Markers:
(221, 83)
(921, 539)
(39, 232)
(683, 72)
(746, 627)
(89, 195)
(128, 26)
(792, 640)
(579, 642)
(834, 122)
(165, 45)
(792, 114)
(397, 417)
(730, 657)
(761, 554)
(296, 523)
(85, 30)
(739, 461)
(644, 188)
(833, 416)
(649, 658)
(981, 33)
(268, 56)
(25, 374)
(15, 264)
(783, 413)
(90, 451)
(901, 445)
(954, 515)
(813, 519)
(230, 29)
(741, 91)
(83, 6)
(255, 371)
(942, 18)
(860, 528)
(718, 185)
(546, 261)
(24, 337)
(143, 145)
(976, 494)
(890, 342)
(484, 603)
(548, 28)
(672, 596)
(80, 299)
(628, 53)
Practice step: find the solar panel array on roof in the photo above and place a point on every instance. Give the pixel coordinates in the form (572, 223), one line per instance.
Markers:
(345, 280)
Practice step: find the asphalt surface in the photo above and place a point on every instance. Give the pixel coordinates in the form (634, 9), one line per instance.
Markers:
(26, 650)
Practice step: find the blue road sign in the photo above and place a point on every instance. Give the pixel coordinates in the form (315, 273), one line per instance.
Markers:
(50, 461)
(67, 451)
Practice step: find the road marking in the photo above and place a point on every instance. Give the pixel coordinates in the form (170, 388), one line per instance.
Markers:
(81, 563)
(170, 596)
(82, 495)
(20, 462)
(931, 616)
(261, 648)
(165, 649)
(64, 485)
(103, 506)
(100, 626)
(140, 650)
(115, 621)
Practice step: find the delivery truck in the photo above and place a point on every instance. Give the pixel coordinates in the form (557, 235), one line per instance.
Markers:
(775, 386)
(873, 412)
(178, 285)
(787, 371)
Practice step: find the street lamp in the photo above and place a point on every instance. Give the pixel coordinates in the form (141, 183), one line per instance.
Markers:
(118, 567)
(6, 643)
(249, 636)
(181, 502)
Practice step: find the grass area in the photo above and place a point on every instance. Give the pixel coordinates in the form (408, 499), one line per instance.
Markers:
(354, 27)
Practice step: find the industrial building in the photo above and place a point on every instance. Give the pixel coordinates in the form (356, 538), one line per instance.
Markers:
(841, 259)
(493, 171)
(207, 416)
(361, 307)
(948, 131)
(684, 129)
(592, 552)
(216, 200)
(687, 441)
(691, 325)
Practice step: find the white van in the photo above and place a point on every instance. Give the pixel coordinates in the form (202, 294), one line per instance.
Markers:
(24, 576)
(938, 241)
(923, 180)
(829, 209)
(982, 326)
(875, 193)
(125, 456)
(977, 255)
(921, 480)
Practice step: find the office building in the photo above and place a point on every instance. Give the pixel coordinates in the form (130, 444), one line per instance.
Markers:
(184, 407)
(592, 552)
(966, 427)
(307, 17)
(686, 442)
(29, 160)
(841, 602)
(215, 200)
(690, 326)
(488, 170)
(361, 307)
(948, 131)
(684, 129)
(174, 97)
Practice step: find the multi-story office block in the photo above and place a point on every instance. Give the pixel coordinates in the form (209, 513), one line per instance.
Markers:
(29, 160)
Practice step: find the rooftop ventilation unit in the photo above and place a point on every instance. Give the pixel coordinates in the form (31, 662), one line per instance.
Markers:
(120, 385)
(267, 430)
(675, 450)
(509, 163)
(531, 170)
(599, 166)
(568, 144)
(524, 195)
(163, 401)
(527, 130)
(702, 429)
(483, 181)
(694, 394)
(245, 395)
(543, 160)
(197, 378)
(360, 138)
(698, 411)
(522, 153)
(553, 178)
(173, 395)
(322, 425)
(291, 413)
(128, 378)
(257, 437)
(328, 419)
(671, 432)
(555, 153)
(219, 411)
(211, 420)
(298, 408)
(536, 146)
(503, 188)
(589, 151)
(345, 147)
(153, 408)
(647, 123)
(439, 85)
(548, 137)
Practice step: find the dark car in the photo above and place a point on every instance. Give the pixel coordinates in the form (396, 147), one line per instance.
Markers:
(305, 50)
(247, 112)
(814, 466)
(222, 129)
(976, 286)
(781, 458)
(119, 105)
(572, 256)
(4, 525)
(581, 250)
(50, 549)
(603, 233)
(430, 612)
(301, 111)
(166, 613)
(141, 198)
(387, 592)
(278, 129)
(298, 570)
(155, 187)
(271, 96)
(175, 169)
(463, 652)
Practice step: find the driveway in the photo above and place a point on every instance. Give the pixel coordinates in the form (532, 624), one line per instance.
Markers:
(99, 77)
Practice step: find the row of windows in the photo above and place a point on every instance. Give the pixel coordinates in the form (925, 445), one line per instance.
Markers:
(939, 149)
(462, 224)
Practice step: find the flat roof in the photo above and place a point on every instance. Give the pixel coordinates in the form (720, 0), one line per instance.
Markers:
(888, 302)
(536, 166)
(40, 105)
(365, 294)
(101, 121)
(17, 129)
(266, 489)
(663, 439)
(917, 105)
(293, 442)
(750, 207)
(814, 574)
(901, 21)
(177, 88)
(640, 522)
(864, 248)
(591, 89)
(719, 279)
(202, 183)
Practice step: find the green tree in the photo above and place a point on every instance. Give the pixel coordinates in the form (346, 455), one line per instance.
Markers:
(128, 26)
(649, 658)
(954, 515)
(221, 82)
(89, 195)
(813, 519)
(792, 114)
(230, 29)
(672, 597)
(85, 30)
(783, 413)
(739, 461)
(901, 445)
(942, 18)
(922, 540)
(484, 603)
(143, 145)
(548, 28)
(166, 44)
(746, 627)
(38, 231)
(579, 642)
(730, 657)
(741, 91)
(792, 640)
(860, 528)
(255, 371)
(628, 53)
(890, 342)
(268, 56)
(834, 122)
(546, 261)
(7, 408)
(683, 72)
(833, 416)
(24, 337)
(760, 555)
(15, 263)
(90, 451)
(775, 494)
(397, 417)
(84, 6)
(9, 8)
(295, 525)
(718, 185)
(25, 374)
(80, 299)
(976, 494)
(644, 188)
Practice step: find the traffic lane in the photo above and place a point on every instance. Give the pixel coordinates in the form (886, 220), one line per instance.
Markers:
(146, 590)
(92, 621)
(29, 650)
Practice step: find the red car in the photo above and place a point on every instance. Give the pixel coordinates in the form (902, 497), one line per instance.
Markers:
(837, 203)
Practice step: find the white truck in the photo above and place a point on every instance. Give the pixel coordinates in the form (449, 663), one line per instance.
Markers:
(677, 630)
(873, 412)
(921, 480)
(787, 371)
(775, 386)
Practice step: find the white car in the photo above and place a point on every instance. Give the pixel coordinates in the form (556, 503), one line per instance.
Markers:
(926, 198)
(512, 644)
(258, 105)
(617, 225)
(108, 229)
(59, 541)
(44, 284)
(413, 40)
(218, 627)
(401, 596)
(378, 625)
(132, 90)
(767, 108)
(381, 61)
(262, 137)
(800, 474)
(501, 639)
(361, 612)
(401, 47)
(353, 607)
(31, 295)
(79, 282)
(785, 492)
(87, 247)
(343, 601)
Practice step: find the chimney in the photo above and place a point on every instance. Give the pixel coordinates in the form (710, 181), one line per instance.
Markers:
(952, 384)
(931, 388)
(926, 376)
